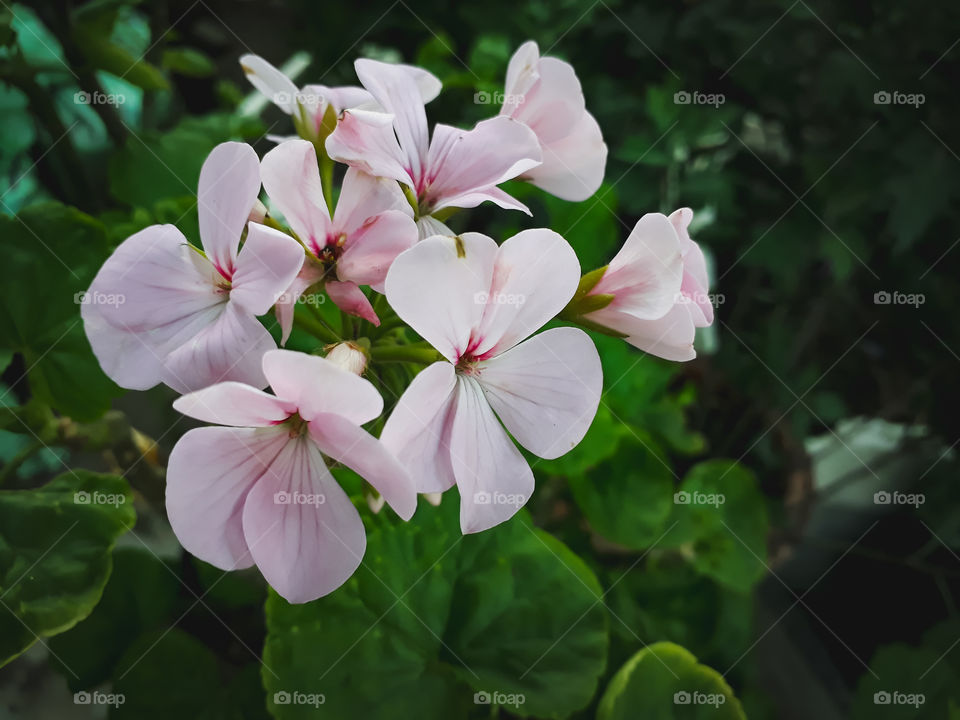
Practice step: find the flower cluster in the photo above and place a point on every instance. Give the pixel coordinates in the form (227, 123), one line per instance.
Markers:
(462, 313)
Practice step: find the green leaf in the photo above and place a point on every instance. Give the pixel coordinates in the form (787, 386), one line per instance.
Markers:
(53, 252)
(55, 544)
(188, 61)
(433, 617)
(140, 596)
(720, 516)
(628, 498)
(665, 682)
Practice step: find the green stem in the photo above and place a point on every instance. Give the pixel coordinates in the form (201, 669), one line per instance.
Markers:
(326, 177)
(315, 327)
(424, 355)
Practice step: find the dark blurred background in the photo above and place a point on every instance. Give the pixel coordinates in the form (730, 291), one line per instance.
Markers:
(819, 146)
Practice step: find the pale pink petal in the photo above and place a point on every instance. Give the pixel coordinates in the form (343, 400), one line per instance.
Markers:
(427, 83)
(310, 273)
(494, 479)
(438, 288)
(428, 226)
(360, 451)
(418, 430)
(342, 98)
(553, 105)
(229, 347)
(272, 83)
(535, 275)
(365, 140)
(523, 69)
(233, 403)
(291, 177)
(266, 266)
(228, 187)
(670, 337)
(461, 162)
(349, 297)
(573, 166)
(371, 248)
(303, 531)
(363, 196)
(546, 389)
(316, 385)
(397, 92)
(124, 357)
(645, 275)
(209, 474)
(490, 194)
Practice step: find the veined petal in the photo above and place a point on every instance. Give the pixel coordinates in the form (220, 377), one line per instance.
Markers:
(302, 530)
(364, 196)
(233, 403)
(272, 83)
(371, 248)
(229, 186)
(554, 104)
(490, 194)
(124, 356)
(546, 389)
(523, 69)
(266, 265)
(310, 273)
(645, 275)
(317, 385)
(360, 451)
(230, 346)
(209, 474)
(291, 177)
(396, 90)
(494, 479)
(418, 430)
(365, 140)
(535, 275)
(428, 226)
(438, 288)
(670, 337)
(461, 162)
(348, 296)
(342, 98)
(573, 166)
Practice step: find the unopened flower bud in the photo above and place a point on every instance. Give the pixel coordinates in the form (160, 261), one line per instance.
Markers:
(349, 356)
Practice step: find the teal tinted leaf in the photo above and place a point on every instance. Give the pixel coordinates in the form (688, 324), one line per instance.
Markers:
(55, 553)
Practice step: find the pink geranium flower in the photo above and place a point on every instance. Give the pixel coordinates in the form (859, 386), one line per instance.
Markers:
(259, 491)
(185, 317)
(476, 303)
(371, 225)
(544, 94)
(659, 283)
(456, 168)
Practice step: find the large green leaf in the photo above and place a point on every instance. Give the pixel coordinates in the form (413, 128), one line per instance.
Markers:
(55, 553)
(665, 682)
(433, 621)
(52, 253)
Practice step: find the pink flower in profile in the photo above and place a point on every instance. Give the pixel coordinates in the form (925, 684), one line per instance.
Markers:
(659, 285)
(185, 317)
(308, 105)
(259, 491)
(545, 94)
(456, 168)
(476, 303)
(371, 225)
